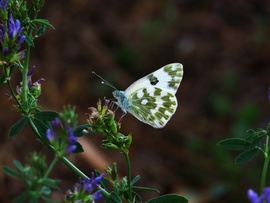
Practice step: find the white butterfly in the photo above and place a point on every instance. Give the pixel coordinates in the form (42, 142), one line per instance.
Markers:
(151, 99)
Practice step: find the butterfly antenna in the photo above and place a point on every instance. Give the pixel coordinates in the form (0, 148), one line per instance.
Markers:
(104, 81)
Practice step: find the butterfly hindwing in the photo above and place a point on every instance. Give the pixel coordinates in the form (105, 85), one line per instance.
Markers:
(155, 107)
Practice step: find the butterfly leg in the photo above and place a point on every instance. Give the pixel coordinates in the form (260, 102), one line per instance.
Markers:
(123, 114)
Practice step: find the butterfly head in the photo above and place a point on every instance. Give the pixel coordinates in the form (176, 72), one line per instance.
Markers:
(122, 100)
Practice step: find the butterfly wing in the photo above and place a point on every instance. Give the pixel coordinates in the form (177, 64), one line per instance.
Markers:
(167, 78)
(152, 98)
(155, 107)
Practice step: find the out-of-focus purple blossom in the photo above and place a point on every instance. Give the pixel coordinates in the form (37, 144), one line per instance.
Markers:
(3, 4)
(62, 138)
(49, 135)
(71, 144)
(11, 38)
(255, 198)
(86, 190)
(29, 78)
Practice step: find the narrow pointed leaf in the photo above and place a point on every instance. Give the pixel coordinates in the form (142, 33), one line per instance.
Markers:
(115, 197)
(135, 179)
(17, 127)
(82, 130)
(46, 115)
(170, 198)
(11, 172)
(18, 165)
(234, 144)
(246, 155)
(2, 79)
(43, 22)
(79, 148)
(22, 198)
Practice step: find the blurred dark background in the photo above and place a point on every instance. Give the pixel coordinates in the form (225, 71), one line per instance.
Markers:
(224, 47)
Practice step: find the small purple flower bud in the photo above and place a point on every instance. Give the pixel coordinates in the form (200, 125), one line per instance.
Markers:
(255, 198)
(97, 195)
(6, 50)
(96, 180)
(21, 39)
(49, 135)
(56, 124)
(31, 72)
(71, 148)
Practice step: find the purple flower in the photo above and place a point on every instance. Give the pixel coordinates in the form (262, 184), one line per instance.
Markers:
(62, 138)
(49, 135)
(71, 143)
(3, 4)
(255, 198)
(15, 29)
(11, 38)
(86, 190)
(29, 78)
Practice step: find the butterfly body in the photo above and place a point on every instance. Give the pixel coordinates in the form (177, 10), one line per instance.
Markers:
(151, 99)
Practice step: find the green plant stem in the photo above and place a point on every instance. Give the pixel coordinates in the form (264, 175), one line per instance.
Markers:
(51, 166)
(14, 96)
(12, 92)
(25, 77)
(62, 158)
(125, 152)
(265, 165)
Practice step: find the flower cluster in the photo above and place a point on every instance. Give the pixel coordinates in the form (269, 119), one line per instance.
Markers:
(11, 38)
(3, 4)
(255, 198)
(101, 119)
(85, 191)
(61, 137)
(34, 87)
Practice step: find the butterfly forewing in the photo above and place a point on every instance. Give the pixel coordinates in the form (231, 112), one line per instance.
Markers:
(168, 78)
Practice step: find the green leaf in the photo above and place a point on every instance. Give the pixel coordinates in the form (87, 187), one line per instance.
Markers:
(246, 155)
(135, 179)
(45, 190)
(257, 141)
(42, 127)
(19, 166)
(234, 144)
(29, 40)
(48, 200)
(170, 198)
(78, 149)
(41, 30)
(46, 115)
(145, 189)
(22, 198)
(17, 127)
(115, 197)
(136, 196)
(254, 135)
(11, 172)
(43, 22)
(82, 130)
(52, 183)
(2, 79)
